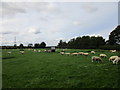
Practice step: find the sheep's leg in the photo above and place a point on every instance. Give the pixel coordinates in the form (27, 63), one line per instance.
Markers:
(114, 62)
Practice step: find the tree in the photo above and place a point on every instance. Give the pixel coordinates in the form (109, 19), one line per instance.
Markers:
(21, 45)
(30, 45)
(42, 45)
(114, 37)
(36, 45)
(62, 44)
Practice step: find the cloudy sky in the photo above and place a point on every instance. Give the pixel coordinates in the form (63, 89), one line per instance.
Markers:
(34, 22)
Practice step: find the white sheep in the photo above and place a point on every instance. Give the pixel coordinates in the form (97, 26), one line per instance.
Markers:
(9, 52)
(93, 52)
(62, 53)
(86, 54)
(113, 51)
(103, 55)
(80, 53)
(74, 54)
(116, 60)
(49, 51)
(39, 50)
(96, 58)
(34, 50)
(112, 58)
(67, 54)
(22, 52)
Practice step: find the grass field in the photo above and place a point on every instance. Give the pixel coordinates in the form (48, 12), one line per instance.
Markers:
(52, 70)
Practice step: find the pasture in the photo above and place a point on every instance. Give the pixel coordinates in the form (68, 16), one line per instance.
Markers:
(53, 70)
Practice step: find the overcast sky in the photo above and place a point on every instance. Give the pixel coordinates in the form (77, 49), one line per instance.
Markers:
(34, 22)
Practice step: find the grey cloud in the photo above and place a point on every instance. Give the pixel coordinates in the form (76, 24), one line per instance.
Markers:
(34, 31)
(90, 8)
(12, 8)
(37, 32)
(9, 32)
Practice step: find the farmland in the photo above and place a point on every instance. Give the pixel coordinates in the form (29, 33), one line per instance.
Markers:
(53, 70)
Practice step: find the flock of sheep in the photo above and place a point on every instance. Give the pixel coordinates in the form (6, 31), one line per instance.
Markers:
(114, 59)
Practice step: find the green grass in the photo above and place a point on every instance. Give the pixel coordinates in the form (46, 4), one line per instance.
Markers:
(52, 70)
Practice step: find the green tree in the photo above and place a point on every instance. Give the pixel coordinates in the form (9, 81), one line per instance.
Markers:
(62, 44)
(42, 45)
(36, 45)
(21, 45)
(30, 45)
(114, 37)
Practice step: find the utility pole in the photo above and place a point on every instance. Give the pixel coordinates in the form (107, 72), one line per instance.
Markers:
(15, 42)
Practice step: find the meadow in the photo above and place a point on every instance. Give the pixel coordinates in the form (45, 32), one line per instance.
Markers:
(53, 70)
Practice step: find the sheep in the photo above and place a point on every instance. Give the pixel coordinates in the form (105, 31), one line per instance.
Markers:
(80, 53)
(39, 50)
(112, 58)
(34, 50)
(103, 55)
(116, 60)
(113, 51)
(49, 51)
(96, 58)
(93, 52)
(74, 54)
(86, 54)
(22, 52)
(67, 54)
(9, 52)
(62, 53)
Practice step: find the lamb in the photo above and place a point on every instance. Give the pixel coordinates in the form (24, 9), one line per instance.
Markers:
(103, 55)
(86, 54)
(112, 58)
(116, 60)
(96, 58)
(93, 52)
(9, 52)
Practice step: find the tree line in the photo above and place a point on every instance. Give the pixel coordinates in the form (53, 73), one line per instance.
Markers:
(30, 45)
(87, 42)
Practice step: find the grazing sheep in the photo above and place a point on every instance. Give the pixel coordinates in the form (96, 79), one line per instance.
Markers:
(49, 51)
(74, 54)
(86, 54)
(112, 58)
(39, 50)
(34, 50)
(113, 51)
(116, 60)
(9, 52)
(80, 53)
(22, 52)
(96, 58)
(93, 52)
(103, 55)
(67, 54)
(62, 53)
